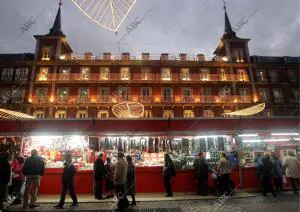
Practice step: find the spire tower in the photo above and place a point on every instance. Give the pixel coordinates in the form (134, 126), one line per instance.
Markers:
(56, 28)
(229, 33)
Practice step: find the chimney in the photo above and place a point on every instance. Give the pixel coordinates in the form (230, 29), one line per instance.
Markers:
(164, 56)
(88, 55)
(125, 56)
(106, 56)
(183, 56)
(145, 56)
(201, 57)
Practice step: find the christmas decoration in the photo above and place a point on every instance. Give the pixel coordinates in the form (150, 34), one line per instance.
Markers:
(128, 110)
(9, 114)
(248, 111)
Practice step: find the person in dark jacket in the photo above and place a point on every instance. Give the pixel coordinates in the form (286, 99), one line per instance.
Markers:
(33, 169)
(67, 181)
(109, 178)
(201, 172)
(99, 172)
(17, 178)
(267, 175)
(168, 172)
(131, 179)
(5, 175)
(278, 173)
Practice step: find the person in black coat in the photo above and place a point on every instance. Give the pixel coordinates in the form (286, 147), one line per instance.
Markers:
(99, 172)
(5, 175)
(131, 179)
(201, 173)
(267, 169)
(168, 172)
(67, 181)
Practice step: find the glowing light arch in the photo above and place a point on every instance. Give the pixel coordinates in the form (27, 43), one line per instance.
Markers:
(128, 110)
(248, 111)
(9, 114)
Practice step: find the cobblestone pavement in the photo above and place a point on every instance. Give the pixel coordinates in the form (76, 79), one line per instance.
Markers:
(287, 202)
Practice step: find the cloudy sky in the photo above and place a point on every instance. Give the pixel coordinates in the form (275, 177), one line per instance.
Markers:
(172, 26)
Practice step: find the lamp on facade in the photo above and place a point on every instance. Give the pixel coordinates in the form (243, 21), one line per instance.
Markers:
(225, 59)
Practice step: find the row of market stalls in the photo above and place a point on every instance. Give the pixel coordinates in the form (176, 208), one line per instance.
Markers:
(147, 140)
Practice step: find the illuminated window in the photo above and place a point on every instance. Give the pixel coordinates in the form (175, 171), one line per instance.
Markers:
(187, 94)
(238, 55)
(46, 53)
(103, 114)
(104, 73)
(244, 94)
(273, 75)
(61, 114)
(168, 114)
(227, 111)
(21, 74)
(146, 95)
(43, 74)
(264, 94)
(82, 114)
(104, 95)
(204, 74)
(293, 75)
(5, 95)
(261, 75)
(63, 94)
(83, 94)
(223, 75)
(125, 74)
(185, 74)
(208, 113)
(18, 95)
(277, 95)
(145, 73)
(148, 114)
(167, 95)
(39, 114)
(64, 73)
(7, 74)
(188, 114)
(242, 75)
(165, 74)
(84, 73)
(41, 95)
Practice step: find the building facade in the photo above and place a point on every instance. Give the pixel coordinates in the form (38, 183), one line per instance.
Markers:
(55, 83)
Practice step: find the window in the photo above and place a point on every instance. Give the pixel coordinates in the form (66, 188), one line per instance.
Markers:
(5, 95)
(204, 74)
(103, 114)
(225, 113)
(82, 114)
(277, 95)
(62, 95)
(208, 113)
(167, 95)
(244, 94)
(84, 73)
(125, 75)
(7, 74)
(273, 75)
(261, 75)
(168, 114)
(104, 73)
(264, 94)
(64, 73)
(293, 75)
(146, 95)
(104, 95)
(188, 114)
(46, 53)
(43, 75)
(238, 55)
(18, 96)
(123, 93)
(297, 95)
(206, 95)
(185, 74)
(39, 114)
(165, 74)
(41, 95)
(187, 94)
(83, 94)
(61, 114)
(223, 76)
(145, 73)
(148, 114)
(242, 75)
(21, 74)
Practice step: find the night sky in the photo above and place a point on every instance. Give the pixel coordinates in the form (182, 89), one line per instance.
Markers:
(172, 26)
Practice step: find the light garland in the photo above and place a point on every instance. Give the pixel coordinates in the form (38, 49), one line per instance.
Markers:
(128, 110)
(9, 114)
(248, 111)
(107, 13)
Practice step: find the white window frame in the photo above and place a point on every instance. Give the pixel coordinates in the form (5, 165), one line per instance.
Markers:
(208, 113)
(46, 53)
(223, 75)
(82, 114)
(41, 99)
(204, 74)
(166, 74)
(148, 97)
(18, 96)
(101, 112)
(21, 74)
(189, 114)
(61, 114)
(7, 74)
(242, 75)
(104, 96)
(145, 71)
(185, 74)
(104, 73)
(125, 73)
(85, 73)
(148, 114)
(82, 98)
(39, 114)
(238, 54)
(64, 97)
(64, 73)
(168, 114)
(43, 74)
(5, 95)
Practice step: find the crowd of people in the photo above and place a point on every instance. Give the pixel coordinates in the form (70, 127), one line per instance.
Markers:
(16, 173)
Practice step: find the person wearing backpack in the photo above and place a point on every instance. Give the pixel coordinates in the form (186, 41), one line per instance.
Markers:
(168, 172)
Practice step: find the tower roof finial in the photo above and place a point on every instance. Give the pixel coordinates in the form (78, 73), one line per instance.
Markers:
(56, 29)
(224, 5)
(60, 2)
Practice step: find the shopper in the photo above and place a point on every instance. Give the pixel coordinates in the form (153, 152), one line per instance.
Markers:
(5, 175)
(33, 169)
(120, 177)
(224, 170)
(109, 178)
(267, 175)
(168, 172)
(131, 180)
(201, 172)
(292, 170)
(17, 178)
(278, 173)
(67, 181)
(99, 172)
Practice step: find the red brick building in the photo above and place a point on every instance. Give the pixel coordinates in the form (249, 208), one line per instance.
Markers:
(55, 83)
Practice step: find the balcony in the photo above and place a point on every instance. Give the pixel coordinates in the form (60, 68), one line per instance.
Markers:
(146, 99)
(40, 99)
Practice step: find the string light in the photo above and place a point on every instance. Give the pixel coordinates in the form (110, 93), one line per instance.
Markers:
(128, 110)
(248, 111)
(9, 114)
